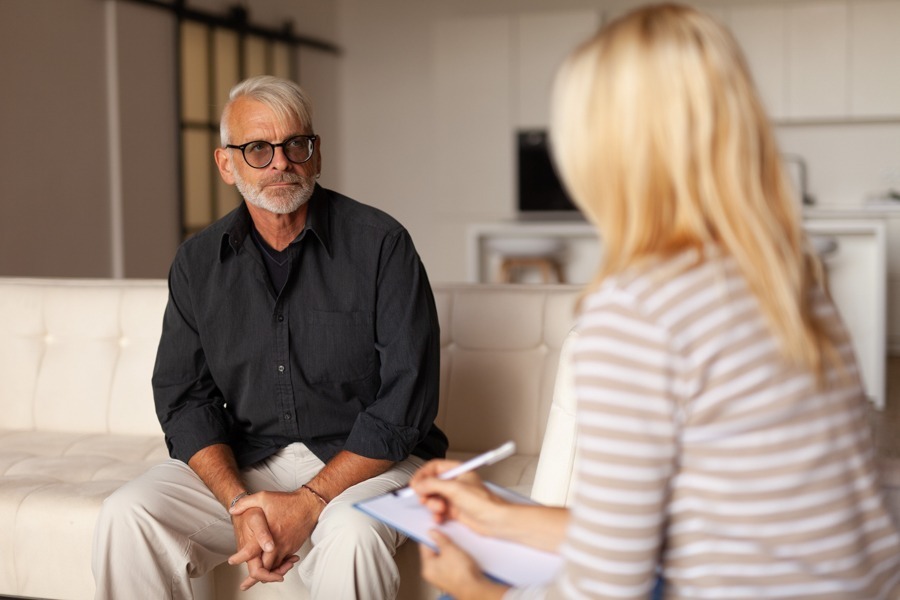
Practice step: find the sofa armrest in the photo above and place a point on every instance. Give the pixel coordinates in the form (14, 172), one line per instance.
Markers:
(554, 479)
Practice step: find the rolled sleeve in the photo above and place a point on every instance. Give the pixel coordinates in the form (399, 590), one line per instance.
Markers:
(374, 438)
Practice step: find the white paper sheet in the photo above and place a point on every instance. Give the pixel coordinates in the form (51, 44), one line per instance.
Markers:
(508, 562)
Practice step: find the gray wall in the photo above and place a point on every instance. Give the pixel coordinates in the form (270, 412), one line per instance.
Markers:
(54, 176)
(147, 105)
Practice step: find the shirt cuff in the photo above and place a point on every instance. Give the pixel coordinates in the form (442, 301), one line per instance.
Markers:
(192, 432)
(373, 438)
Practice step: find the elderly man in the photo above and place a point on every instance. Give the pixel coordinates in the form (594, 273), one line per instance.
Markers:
(297, 373)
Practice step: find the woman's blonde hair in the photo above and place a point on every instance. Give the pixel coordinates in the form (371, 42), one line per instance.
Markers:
(661, 139)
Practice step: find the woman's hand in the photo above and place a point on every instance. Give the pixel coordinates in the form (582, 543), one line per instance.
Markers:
(467, 500)
(464, 499)
(454, 571)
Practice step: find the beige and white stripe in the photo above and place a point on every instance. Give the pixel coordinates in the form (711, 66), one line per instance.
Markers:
(701, 450)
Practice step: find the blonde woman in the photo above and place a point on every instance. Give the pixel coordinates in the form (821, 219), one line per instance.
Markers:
(722, 423)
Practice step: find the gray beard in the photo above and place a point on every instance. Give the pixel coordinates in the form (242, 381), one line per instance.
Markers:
(279, 203)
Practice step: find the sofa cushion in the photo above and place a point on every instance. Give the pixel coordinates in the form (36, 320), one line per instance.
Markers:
(51, 487)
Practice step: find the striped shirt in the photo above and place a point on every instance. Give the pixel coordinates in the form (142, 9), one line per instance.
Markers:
(703, 452)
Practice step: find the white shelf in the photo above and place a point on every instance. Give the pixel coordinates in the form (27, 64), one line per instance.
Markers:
(869, 210)
(479, 234)
(857, 269)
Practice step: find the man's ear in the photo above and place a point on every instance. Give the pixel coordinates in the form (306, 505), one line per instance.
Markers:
(225, 164)
(317, 157)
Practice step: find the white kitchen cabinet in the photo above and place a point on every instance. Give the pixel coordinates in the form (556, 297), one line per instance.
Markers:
(832, 60)
(874, 55)
(761, 32)
(889, 214)
(543, 41)
(857, 280)
(818, 60)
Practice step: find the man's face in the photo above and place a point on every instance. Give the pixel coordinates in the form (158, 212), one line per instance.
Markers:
(282, 187)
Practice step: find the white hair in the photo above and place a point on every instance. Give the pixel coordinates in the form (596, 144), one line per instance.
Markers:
(286, 99)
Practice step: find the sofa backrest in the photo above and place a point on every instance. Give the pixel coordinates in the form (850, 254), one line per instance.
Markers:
(77, 355)
(555, 473)
(500, 348)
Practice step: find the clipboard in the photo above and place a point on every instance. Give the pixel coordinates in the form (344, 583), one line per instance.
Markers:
(507, 562)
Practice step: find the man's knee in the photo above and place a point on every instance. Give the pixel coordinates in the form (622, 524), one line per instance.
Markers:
(346, 525)
(159, 498)
(125, 514)
(352, 556)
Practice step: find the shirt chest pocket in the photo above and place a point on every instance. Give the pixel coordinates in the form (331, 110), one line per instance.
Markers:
(337, 346)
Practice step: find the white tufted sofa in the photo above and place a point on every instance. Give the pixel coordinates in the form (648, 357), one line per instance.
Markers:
(77, 418)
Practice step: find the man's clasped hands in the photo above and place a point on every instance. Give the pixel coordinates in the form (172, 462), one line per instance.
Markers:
(271, 527)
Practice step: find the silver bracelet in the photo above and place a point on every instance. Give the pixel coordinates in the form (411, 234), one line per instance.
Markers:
(316, 494)
(238, 497)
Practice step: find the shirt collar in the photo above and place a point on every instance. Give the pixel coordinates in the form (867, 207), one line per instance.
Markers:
(239, 224)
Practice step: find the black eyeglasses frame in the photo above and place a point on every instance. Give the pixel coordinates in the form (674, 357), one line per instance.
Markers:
(311, 140)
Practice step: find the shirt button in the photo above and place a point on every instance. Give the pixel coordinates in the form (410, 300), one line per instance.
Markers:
(281, 368)
(287, 416)
(280, 318)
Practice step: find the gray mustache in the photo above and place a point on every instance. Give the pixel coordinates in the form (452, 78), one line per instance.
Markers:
(284, 179)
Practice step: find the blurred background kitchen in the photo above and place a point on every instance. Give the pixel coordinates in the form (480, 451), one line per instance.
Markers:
(435, 111)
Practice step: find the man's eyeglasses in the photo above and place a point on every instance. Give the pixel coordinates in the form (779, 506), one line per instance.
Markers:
(259, 154)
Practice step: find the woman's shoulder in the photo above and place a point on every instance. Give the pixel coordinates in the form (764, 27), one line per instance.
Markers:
(660, 281)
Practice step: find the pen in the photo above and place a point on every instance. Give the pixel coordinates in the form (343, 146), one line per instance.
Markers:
(488, 458)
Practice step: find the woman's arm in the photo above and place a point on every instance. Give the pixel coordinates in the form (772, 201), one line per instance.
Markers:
(541, 527)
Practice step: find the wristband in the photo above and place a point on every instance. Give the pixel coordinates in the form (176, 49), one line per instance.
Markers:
(316, 494)
(238, 497)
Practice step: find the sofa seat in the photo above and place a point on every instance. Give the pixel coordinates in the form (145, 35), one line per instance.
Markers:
(71, 457)
(51, 488)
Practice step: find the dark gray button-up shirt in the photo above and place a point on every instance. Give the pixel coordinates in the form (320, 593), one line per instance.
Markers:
(345, 357)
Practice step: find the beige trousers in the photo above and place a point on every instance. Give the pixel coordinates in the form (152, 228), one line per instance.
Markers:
(159, 530)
